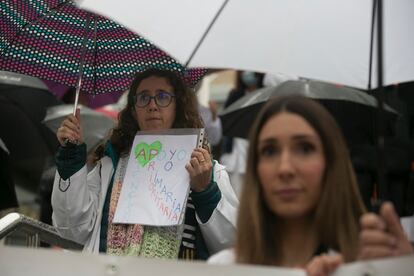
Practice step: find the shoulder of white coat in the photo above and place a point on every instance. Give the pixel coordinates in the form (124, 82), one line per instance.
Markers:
(226, 256)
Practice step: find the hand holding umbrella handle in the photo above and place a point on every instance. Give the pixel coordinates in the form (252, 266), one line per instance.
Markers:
(70, 130)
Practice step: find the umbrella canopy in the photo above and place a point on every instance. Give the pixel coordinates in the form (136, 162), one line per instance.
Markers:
(47, 38)
(29, 142)
(354, 110)
(21, 80)
(94, 100)
(327, 40)
(95, 125)
(113, 110)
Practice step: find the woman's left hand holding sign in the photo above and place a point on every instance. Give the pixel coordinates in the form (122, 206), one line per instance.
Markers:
(200, 168)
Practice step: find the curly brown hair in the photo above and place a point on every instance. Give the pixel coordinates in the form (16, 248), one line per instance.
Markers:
(187, 115)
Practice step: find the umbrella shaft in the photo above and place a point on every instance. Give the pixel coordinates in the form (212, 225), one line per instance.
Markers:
(81, 63)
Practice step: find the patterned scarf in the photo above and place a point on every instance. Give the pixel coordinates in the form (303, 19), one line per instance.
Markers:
(135, 239)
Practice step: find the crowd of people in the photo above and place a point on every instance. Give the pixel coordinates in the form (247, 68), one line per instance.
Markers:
(299, 203)
(288, 196)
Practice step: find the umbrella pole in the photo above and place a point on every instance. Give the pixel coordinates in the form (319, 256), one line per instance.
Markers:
(205, 33)
(81, 63)
(371, 46)
(382, 190)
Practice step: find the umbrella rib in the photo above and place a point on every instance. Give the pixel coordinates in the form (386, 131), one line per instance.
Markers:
(82, 61)
(95, 53)
(382, 188)
(206, 32)
(49, 13)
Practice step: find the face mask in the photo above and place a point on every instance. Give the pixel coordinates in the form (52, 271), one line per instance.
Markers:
(249, 78)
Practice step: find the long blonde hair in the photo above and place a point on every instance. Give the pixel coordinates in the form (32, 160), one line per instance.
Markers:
(339, 207)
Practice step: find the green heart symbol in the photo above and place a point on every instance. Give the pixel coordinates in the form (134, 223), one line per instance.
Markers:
(145, 153)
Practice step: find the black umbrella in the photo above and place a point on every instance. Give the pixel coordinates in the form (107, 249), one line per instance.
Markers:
(354, 110)
(29, 142)
(8, 197)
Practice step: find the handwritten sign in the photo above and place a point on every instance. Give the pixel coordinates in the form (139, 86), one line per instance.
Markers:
(144, 153)
(156, 183)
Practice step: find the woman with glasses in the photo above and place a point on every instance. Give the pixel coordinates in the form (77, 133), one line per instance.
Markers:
(84, 203)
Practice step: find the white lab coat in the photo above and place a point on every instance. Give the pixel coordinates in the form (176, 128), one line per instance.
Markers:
(77, 212)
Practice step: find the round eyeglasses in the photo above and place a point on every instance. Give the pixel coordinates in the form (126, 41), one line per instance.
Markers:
(162, 99)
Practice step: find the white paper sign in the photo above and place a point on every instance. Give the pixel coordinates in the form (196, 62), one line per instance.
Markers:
(18, 261)
(401, 266)
(408, 226)
(156, 183)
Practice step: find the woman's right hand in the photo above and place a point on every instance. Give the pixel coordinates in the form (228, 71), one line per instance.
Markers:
(382, 235)
(70, 129)
(323, 265)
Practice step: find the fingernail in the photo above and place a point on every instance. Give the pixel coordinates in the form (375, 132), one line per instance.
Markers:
(393, 241)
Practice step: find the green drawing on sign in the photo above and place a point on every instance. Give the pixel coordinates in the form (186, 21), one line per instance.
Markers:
(145, 153)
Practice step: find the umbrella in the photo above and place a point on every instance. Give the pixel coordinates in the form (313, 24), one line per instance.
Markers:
(354, 110)
(94, 101)
(55, 40)
(328, 40)
(112, 110)
(95, 125)
(29, 142)
(8, 197)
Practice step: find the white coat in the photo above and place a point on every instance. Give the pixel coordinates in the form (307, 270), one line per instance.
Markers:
(78, 204)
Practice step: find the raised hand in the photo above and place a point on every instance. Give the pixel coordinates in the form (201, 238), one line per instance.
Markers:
(71, 130)
(199, 168)
(382, 235)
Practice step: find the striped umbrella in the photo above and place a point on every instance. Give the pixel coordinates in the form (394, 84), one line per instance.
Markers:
(55, 40)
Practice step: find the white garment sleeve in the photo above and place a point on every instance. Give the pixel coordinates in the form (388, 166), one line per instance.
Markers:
(219, 230)
(75, 204)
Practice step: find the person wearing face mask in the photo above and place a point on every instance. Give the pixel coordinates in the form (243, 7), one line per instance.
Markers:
(234, 149)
